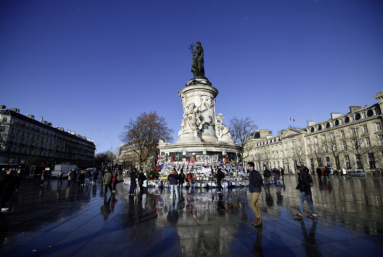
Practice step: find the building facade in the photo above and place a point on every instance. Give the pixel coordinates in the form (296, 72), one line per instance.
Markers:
(28, 142)
(351, 140)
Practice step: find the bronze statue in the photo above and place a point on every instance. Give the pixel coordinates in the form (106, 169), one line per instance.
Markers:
(197, 68)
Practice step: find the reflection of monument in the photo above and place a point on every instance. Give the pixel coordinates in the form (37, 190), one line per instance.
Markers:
(201, 133)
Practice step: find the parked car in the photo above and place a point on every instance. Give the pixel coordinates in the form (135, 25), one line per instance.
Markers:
(357, 173)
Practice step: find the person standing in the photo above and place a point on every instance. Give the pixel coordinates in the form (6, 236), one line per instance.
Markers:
(190, 180)
(319, 173)
(88, 176)
(278, 178)
(255, 184)
(220, 176)
(181, 179)
(60, 178)
(19, 177)
(305, 193)
(133, 175)
(7, 185)
(42, 177)
(172, 178)
(114, 182)
(80, 179)
(141, 177)
(107, 180)
(282, 173)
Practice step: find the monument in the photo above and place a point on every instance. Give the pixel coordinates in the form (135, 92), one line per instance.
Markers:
(202, 136)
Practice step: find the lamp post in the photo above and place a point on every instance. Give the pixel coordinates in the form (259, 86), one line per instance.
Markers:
(361, 152)
(295, 167)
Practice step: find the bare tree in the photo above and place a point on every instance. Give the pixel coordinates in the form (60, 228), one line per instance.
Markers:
(329, 142)
(240, 129)
(145, 133)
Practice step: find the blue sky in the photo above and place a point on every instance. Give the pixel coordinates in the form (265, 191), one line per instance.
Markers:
(90, 66)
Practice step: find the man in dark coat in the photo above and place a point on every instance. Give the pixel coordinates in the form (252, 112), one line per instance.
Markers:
(73, 176)
(141, 178)
(255, 184)
(319, 173)
(220, 176)
(7, 185)
(305, 193)
(19, 177)
(172, 178)
(133, 175)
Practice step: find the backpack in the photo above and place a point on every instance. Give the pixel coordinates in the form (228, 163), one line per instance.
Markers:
(311, 181)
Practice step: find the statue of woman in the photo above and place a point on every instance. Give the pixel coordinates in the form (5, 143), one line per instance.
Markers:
(198, 69)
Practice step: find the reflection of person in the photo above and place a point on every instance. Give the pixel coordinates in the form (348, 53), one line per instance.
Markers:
(18, 178)
(305, 195)
(255, 183)
(105, 208)
(258, 243)
(42, 177)
(310, 238)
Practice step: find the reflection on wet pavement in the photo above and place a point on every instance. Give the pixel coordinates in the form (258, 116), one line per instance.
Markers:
(60, 221)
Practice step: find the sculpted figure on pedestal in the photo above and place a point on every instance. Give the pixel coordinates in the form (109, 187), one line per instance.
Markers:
(198, 68)
(191, 119)
(221, 130)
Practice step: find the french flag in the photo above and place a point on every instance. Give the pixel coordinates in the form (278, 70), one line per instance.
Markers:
(292, 119)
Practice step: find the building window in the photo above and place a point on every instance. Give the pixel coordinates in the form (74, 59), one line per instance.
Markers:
(334, 147)
(348, 164)
(332, 124)
(365, 130)
(333, 136)
(328, 161)
(352, 118)
(316, 140)
(325, 148)
(344, 145)
(353, 132)
(324, 138)
(368, 142)
(300, 143)
(371, 159)
(320, 162)
(308, 141)
(377, 111)
(363, 115)
(2, 128)
(381, 139)
(342, 133)
(5, 119)
(317, 149)
(378, 126)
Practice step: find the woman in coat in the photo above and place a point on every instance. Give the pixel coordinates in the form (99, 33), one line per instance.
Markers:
(141, 178)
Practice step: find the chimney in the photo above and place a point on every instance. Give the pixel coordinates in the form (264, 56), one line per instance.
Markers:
(15, 110)
(50, 124)
(41, 120)
(31, 116)
(3, 107)
(310, 123)
(355, 108)
(335, 115)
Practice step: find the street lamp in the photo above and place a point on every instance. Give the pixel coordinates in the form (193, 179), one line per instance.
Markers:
(295, 167)
(361, 152)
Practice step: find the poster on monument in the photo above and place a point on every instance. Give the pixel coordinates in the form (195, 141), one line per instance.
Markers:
(207, 158)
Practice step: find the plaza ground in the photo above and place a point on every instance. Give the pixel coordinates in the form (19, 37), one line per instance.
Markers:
(59, 221)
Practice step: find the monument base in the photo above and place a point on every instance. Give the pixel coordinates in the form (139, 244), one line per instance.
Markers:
(190, 138)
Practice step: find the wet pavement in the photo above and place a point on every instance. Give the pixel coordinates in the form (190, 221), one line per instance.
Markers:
(59, 221)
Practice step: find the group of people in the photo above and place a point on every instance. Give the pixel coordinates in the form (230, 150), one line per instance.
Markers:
(273, 176)
(256, 182)
(323, 172)
(142, 179)
(80, 178)
(8, 184)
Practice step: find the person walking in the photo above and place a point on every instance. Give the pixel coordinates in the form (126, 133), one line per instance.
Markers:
(220, 176)
(60, 178)
(95, 176)
(172, 178)
(282, 173)
(114, 182)
(319, 173)
(181, 179)
(80, 179)
(278, 178)
(190, 180)
(7, 185)
(133, 175)
(88, 176)
(305, 193)
(72, 178)
(107, 181)
(266, 175)
(141, 178)
(255, 184)
(19, 177)
(42, 177)
(69, 183)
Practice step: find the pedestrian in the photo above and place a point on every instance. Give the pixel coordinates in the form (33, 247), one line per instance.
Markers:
(80, 179)
(305, 193)
(7, 185)
(190, 180)
(60, 178)
(220, 176)
(88, 176)
(42, 177)
(140, 179)
(181, 179)
(278, 177)
(319, 173)
(266, 175)
(95, 176)
(282, 173)
(114, 181)
(72, 175)
(172, 178)
(255, 184)
(19, 177)
(323, 173)
(327, 172)
(107, 180)
(133, 175)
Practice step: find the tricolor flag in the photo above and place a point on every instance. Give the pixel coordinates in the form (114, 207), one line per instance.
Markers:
(292, 119)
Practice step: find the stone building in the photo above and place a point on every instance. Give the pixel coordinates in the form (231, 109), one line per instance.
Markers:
(26, 141)
(345, 140)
